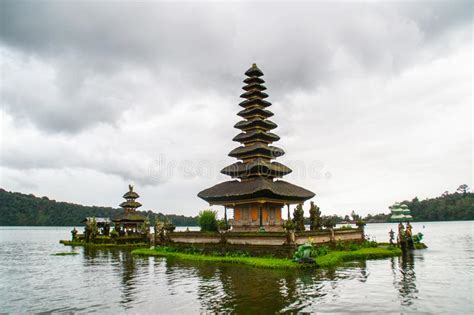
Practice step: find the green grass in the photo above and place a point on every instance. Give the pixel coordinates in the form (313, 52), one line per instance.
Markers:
(329, 260)
(337, 257)
(65, 254)
(420, 246)
(259, 262)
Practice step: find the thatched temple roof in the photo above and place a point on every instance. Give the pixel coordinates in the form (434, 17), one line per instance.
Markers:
(257, 166)
(255, 111)
(130, 217)
(235, 191)
(130, 204)
(251, 136)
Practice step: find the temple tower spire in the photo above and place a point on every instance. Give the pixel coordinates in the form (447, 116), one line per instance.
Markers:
(256, 194)
(256, 151)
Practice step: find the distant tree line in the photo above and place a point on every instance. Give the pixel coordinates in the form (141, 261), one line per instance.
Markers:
(447, 207)
(455, 206)
(17, 209)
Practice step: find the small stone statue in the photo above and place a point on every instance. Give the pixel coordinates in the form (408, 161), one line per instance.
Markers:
(401, 233)
(392, 236)
(408, 234)
(74, 233)
(408, 230)
(303, 254)
(159, 232)
(87, 232)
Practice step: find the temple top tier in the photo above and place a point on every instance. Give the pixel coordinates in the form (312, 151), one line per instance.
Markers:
(130, 197)
(256, 136)
(255, 168)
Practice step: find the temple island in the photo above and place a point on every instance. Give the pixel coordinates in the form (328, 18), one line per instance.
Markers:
(256, 194)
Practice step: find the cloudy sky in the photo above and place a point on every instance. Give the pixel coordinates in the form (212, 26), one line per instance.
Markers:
(373, 101)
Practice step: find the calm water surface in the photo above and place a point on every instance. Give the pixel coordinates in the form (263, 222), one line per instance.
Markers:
(436, 280)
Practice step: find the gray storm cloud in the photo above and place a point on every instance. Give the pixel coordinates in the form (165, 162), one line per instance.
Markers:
(367, 90)
(83, 45)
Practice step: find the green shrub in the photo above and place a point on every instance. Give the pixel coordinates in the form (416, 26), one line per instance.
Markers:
(353, 247)
(360, 223)
(346, 227)
(207, 220)
(298, 218)
(238, 254)
(192, 250)
(114, 233)
(329, 221)
(340, 245)
(319, 251)
(289, 225)
(222, 225)
(169, 226)
(315, 219)
(368, 244)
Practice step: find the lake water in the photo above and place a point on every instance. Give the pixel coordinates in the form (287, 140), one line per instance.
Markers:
(435, 280)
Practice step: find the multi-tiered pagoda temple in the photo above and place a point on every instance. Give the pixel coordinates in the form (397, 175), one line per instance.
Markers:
(257, 195)
(131, 222)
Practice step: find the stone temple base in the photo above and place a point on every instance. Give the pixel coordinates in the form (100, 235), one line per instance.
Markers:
(278, 243)
(256, 228)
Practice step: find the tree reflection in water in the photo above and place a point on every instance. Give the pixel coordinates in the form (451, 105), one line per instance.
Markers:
(190, 286)
(404, 277)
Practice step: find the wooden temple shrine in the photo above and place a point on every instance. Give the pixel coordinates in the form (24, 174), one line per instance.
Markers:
(131, 227)
(256, 194)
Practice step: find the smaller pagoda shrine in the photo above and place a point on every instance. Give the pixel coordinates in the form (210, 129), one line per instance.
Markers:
(131, 222)
(405, 239)
(130, 228)
(400, 213)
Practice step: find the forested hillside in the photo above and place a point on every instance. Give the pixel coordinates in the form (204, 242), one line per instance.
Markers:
(18, 209)
(447, 207)
(455, 206)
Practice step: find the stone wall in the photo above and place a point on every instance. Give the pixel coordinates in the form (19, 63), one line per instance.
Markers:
(266, 238)
(279, 244)
(195, 237)
(322, 237)
(349, 235)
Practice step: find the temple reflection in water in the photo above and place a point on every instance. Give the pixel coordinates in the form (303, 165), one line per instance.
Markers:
(207, 287)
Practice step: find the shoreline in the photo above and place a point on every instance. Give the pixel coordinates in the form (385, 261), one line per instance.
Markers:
(83, 244)
(332, 259)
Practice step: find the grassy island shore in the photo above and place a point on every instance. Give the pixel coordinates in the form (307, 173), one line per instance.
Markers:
(331, 259)
(65, 254)
(102, 245)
